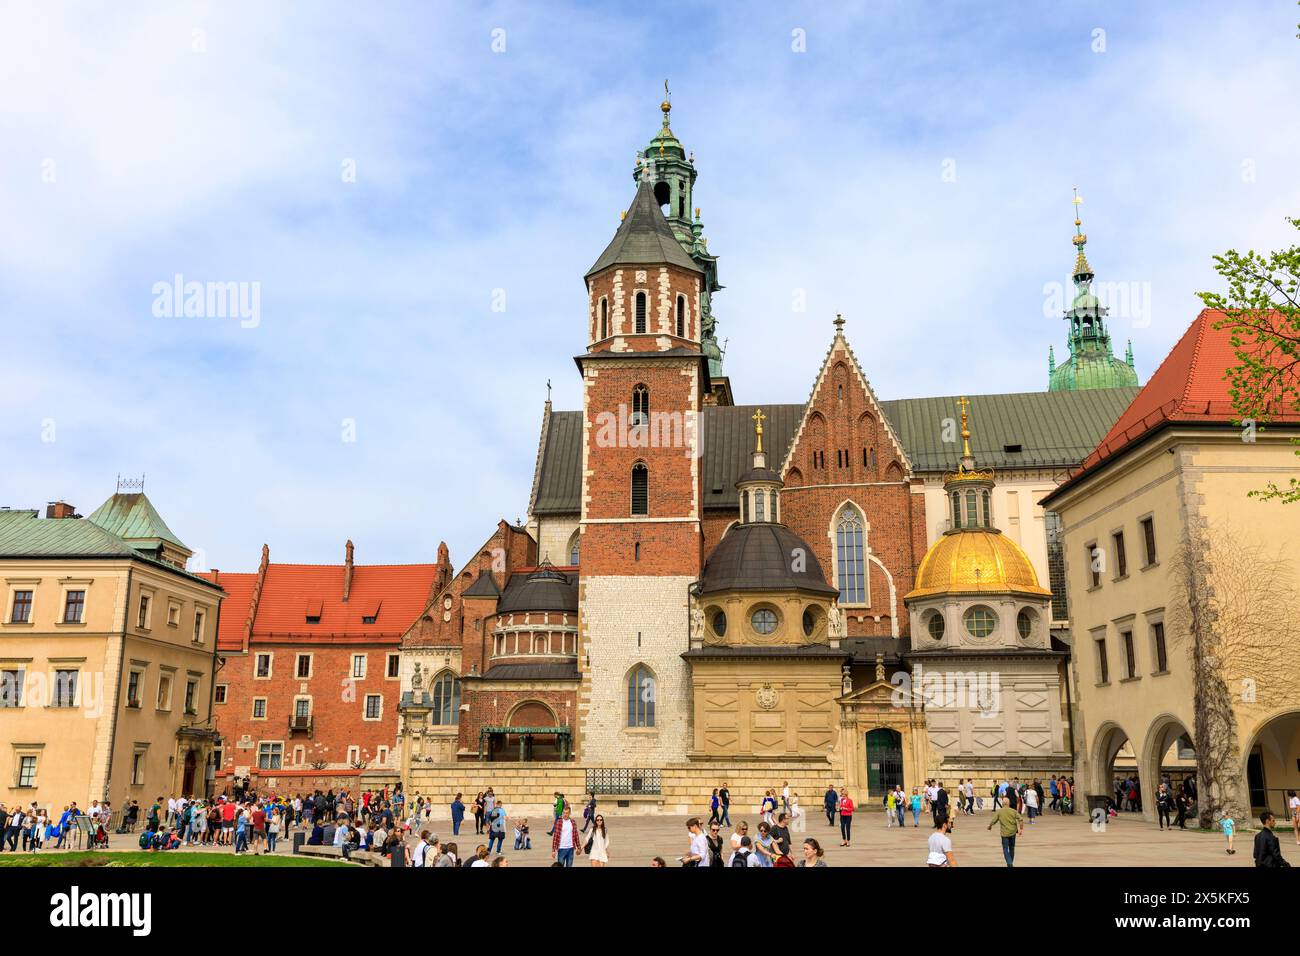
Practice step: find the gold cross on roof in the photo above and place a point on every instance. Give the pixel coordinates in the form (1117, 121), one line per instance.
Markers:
(964, 403)
(759, 418)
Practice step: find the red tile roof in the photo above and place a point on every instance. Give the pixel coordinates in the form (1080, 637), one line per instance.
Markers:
(1190, 387)
(395, 595)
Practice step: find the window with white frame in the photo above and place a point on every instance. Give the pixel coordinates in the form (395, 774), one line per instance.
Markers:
(259, 708)
(374, 706)
(262, 667)
(394, 667)
(270, 755)
(358, 666)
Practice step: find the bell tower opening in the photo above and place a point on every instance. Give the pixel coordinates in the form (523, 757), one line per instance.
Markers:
(663, 195)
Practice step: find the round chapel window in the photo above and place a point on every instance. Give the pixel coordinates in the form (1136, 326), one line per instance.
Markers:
(720, 623)
(980, 621)
(764, 620)
(935, 626)
(1025, 624)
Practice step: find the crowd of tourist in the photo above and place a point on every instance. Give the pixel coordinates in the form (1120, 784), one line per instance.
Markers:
(383, 823)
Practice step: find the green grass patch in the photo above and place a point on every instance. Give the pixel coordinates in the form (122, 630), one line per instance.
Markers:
(168, 858)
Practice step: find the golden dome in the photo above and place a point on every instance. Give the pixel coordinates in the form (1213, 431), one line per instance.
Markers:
(976, 561)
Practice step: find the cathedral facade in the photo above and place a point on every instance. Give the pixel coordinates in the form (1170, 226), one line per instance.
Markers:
(708, 592)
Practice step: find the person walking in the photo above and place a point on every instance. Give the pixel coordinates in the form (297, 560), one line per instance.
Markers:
(891, 808)
(1268, 851)
(714, 805)
(589, 812)
(716, 843)
(1010, 825)
(1031, 802)
(565, 840)
(846, 817)
(1163, 799)
(798, 816)
(457, 814)
(559, 809)
(724, 798)
(597, 848)
(900, 803)
(1293, 802)
(1229, 827)
(698, 854)
(497, 826)
(831, 802)
(939, 846)
(915, 801)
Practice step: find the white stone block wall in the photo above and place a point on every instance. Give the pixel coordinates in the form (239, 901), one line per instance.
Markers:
(614, 610)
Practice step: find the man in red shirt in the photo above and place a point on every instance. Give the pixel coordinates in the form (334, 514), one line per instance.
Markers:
(259, 828)
(227, 823)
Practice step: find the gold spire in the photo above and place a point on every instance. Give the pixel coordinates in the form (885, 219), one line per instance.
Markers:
(758, 418)
(964, 403)
(1080, 240)
(667, 104)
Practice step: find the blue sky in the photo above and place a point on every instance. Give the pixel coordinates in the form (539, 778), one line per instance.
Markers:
(911, 168)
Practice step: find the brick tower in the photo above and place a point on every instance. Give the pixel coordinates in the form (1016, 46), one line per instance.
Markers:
(645, 378)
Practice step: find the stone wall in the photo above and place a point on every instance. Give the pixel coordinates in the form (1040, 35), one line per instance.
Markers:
(628, 621)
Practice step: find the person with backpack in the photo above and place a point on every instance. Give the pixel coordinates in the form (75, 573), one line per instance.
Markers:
(589, 812)
(497, 826)
(744, 855)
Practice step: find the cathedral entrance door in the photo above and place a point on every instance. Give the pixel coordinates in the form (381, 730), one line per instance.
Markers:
(884, 761)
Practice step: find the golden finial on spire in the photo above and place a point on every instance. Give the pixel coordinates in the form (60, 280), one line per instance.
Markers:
(667, 104)
(1079, 237)
(758, 418)
(964, 403)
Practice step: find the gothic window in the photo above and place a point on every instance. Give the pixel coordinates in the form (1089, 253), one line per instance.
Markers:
(641, 697)
(640, 311)
(604, 318)
(772, 506)
(681, 316)
(849, 548)
(640, 406)
(446, 700)
(575, 548)
(759, 511)
(640, 489)
(988, 518)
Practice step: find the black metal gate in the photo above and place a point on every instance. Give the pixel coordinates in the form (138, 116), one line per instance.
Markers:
(884, 761)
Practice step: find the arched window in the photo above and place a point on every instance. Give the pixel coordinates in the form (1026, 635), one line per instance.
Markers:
(988, 517)
(604, 318)
(681, 316)
(575, 548)
(641, 697)
(640, 489)
(759, 509)
(640, 311)
(849, 547)
(446, 700)
(640, 406)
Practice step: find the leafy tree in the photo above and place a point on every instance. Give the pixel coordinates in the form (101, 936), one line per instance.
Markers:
(1262, 308)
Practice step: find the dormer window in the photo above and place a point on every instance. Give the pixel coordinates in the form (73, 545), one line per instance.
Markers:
(313, 618)
(369, 619)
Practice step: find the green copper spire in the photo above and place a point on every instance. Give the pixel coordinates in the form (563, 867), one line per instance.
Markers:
(1092, 362)
(670, 170)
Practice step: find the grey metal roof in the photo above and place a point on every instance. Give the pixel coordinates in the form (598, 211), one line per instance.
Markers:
(644, 238)
(1053, 429)
(728, 435)
(731, 651)
(530, 672)
(865, 649)
(760, 556)
(484, 586)
(559, 486)
(542, 590)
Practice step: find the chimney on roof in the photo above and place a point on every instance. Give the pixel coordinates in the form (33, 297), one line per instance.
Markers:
(60, 509)
(347, 570)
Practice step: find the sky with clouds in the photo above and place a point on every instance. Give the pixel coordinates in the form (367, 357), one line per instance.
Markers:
(386, 173)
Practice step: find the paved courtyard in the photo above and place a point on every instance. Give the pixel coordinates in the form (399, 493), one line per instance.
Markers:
(1052, 841)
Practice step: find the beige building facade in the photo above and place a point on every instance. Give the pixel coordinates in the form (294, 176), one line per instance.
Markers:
(106, 658)
(1170, 561)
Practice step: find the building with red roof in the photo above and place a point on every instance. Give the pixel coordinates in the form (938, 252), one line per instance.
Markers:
(1183, 585)
(307, 688)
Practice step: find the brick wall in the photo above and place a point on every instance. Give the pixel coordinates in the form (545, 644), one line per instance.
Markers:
(337, 703)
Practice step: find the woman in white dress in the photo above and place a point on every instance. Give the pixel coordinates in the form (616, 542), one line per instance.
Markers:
(598, 847)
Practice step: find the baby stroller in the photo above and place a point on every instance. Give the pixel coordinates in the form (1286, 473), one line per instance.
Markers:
(100, 839)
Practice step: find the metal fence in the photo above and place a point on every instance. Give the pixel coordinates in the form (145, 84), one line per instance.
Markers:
(622, 781)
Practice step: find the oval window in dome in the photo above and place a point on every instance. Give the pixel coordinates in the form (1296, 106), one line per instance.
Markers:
(720, 623)
(763, 620)
(980, 622)
(935, 626)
